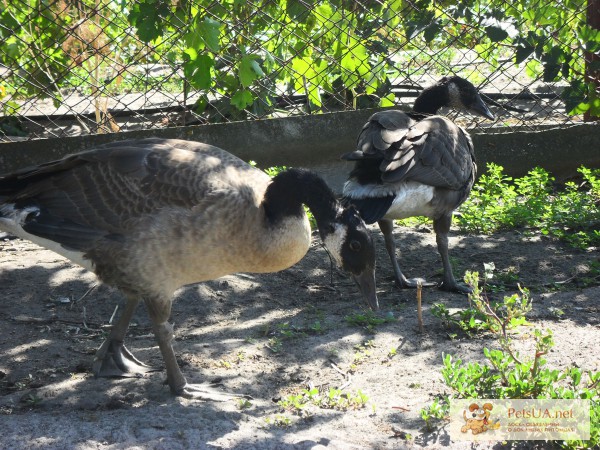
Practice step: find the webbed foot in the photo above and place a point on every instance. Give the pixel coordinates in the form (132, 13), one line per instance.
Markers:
(207, 392)
(114, 360)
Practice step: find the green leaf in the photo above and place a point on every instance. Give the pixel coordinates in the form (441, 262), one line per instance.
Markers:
(551, 71)
(298, 10)
(210, 29)
(533, 68)
(191, 53)
(148, 17)
(595, 107)
(523, 52)
(431, 32)
(197, 71)
(496, 34)
(249, 70)
(242, 99)
(201, 104)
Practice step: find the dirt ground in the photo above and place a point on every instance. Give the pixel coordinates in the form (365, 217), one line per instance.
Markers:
(268, 336)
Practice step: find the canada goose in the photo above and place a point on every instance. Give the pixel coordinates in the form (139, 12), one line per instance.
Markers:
(416, 164)
(149, 216)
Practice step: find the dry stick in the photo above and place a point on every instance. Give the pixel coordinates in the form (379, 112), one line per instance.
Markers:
(346, 375)
(337, 369)
(113, 315)
(84, 319)
(84, 295)
(419, 309)
(400, 408)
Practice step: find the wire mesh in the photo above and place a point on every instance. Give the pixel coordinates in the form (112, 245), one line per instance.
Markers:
(73, 67)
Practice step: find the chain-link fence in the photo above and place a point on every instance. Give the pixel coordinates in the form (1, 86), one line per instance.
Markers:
(74, 67)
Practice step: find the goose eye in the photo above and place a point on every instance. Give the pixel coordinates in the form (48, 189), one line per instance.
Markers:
(354, 246)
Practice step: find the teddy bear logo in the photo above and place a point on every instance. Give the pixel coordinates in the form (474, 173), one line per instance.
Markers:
(477, 419)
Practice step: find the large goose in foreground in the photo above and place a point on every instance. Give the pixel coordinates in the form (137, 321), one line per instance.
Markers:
(416, 164)
(149, 216)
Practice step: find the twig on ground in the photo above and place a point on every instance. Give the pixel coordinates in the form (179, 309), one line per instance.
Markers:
(419, 308)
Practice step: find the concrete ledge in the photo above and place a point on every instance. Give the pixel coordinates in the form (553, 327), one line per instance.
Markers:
(317, 142)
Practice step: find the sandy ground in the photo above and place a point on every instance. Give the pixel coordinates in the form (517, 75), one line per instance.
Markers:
(268, 336)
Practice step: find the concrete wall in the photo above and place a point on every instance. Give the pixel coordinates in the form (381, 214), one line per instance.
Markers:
(317, 142)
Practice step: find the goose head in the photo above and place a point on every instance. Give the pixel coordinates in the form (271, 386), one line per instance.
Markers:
(454, 92)
(350, 245)
(462, 95)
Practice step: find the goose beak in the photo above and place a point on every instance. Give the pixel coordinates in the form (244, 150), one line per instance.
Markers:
(366, 285)
(481, 109)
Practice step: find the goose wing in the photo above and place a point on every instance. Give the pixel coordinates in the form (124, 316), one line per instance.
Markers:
(434, 151)
(105, 192)
(383, 129)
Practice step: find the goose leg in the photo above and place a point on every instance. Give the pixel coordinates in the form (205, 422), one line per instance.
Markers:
(441, 227)
(159, 311)
(112, 358)
(387, 226)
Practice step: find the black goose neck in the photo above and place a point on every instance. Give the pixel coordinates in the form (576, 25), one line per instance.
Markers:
(291, 189)
(431, 99)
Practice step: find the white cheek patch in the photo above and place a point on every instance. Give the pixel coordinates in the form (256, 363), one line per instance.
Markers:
(334, 241)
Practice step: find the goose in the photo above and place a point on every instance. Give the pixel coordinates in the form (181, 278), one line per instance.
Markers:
(416, 164)
(151, 215)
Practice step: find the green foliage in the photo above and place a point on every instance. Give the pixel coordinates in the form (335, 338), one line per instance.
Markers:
(506, 374)
(362, 354)
(325, 399)
(279, 420)
(337, 53)
(368, 320)
(244, 403)
(437, 410)
(149, 18)
(497, 202)
(483, 315)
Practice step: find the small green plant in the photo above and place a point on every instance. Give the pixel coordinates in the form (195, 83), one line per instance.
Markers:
(368, 320)
(363, 352)
(224, 364)
(331, 399)
(434, 412)
(293, 402)
(483, 315)
(244, 403)
(316, 327)
(32, 399)
(281, 332)
(274, 344)
(279, 420)
(468, 320)
(288, 331)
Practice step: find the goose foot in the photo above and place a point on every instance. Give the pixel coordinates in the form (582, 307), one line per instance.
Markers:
(207, 392)
(455, 287)
(114, 360)
(412, 283)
